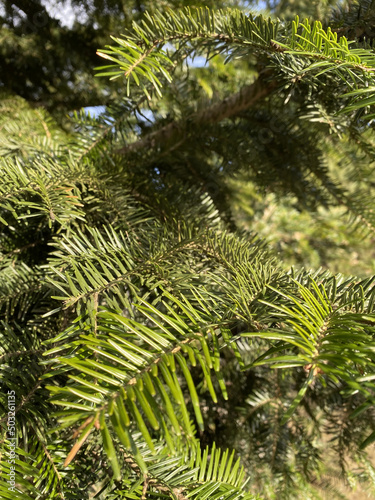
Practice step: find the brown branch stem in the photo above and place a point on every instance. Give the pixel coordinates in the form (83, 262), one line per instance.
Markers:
(230, 107)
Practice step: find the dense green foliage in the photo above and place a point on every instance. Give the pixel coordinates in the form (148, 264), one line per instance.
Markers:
(152, 344)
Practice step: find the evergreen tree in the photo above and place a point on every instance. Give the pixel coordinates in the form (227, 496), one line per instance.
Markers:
(144, 335)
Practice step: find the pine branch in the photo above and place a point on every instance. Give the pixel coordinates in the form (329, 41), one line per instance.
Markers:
(29, 395)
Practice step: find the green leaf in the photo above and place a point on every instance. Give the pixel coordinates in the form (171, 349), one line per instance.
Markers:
(298, 398)
(109, 448)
